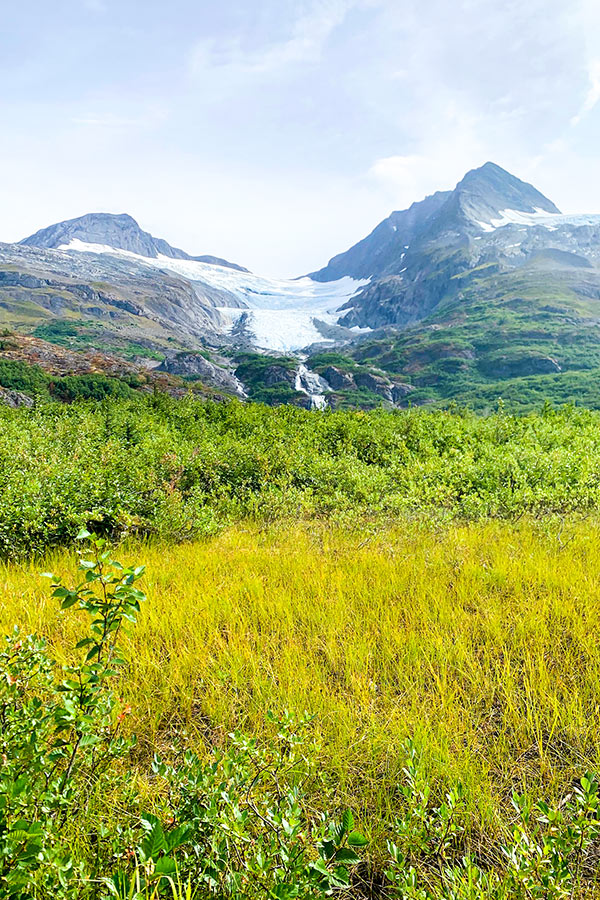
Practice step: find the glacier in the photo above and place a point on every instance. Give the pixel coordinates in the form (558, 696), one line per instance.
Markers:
(281, 314)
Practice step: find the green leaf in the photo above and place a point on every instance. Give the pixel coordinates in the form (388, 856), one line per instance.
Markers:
(69, 601)
(355, 839)
(165, 866)
(347, 856)
(347, 821)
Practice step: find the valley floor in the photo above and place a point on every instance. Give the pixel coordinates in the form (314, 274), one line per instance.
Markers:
(479, 642)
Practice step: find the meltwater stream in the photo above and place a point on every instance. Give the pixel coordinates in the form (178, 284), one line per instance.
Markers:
(312, 385)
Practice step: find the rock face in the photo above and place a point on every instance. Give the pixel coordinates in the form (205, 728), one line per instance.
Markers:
(121, 232)
(400, 391)
(15, 399)
(194, 365)
(337, 379)
(374, 383)
(279, 374)
(505, 367)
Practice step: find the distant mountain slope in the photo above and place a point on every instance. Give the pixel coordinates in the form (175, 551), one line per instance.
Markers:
(482, 197)
(151, 298)
(384, 248)
(482, 291)
(121, 232)
(417, 260)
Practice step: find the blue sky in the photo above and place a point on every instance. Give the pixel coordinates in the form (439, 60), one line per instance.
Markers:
(278, 132)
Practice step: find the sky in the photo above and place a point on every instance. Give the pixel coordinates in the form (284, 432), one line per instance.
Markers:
(276, 133)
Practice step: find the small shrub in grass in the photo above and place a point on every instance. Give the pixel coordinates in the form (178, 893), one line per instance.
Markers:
(246, 820)
(543, 857)
(237, 825)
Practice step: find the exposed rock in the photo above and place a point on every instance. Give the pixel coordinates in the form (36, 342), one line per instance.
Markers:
(374, 383)
(278, 375)
(194, 365)
(338, 380)
(506, 367)
(21, 279)
(400, 390)
(15, 399)
(303, 401)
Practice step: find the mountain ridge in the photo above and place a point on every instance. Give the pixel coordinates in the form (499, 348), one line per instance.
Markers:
(479, 197)
(462, 295)
(117, 230)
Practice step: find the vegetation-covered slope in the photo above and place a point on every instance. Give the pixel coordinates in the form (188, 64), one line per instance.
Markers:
(185, 468)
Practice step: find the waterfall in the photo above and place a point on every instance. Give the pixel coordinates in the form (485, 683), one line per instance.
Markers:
(312, 385)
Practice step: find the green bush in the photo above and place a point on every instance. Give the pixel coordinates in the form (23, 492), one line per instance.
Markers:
(183, 469)
(88, 387)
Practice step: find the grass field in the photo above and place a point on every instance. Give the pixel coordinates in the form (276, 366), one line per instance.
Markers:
(478, 641)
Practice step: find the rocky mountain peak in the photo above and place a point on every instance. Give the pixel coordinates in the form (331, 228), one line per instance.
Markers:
(485, 193)
(118, 231)
(484, 197)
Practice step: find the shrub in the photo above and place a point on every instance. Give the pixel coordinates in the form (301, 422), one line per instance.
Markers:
(235, 825)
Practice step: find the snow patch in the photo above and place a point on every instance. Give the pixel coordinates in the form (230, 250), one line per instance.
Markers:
(540, 217)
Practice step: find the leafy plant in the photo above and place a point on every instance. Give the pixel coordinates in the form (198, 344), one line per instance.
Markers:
(237, 825)
(61, 728)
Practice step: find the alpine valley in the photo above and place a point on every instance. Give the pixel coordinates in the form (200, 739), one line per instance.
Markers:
(472, 295)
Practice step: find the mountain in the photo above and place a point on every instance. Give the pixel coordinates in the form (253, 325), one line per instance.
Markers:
(415, 258)
(481, 291)
(120, 232)
(482, 197)
(127, 288)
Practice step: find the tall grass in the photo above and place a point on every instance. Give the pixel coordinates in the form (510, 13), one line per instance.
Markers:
(479, 641)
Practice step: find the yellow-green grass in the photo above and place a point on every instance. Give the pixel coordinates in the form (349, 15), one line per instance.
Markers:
(480, 641)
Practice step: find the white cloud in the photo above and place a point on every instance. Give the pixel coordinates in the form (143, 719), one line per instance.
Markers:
(305, 42)
(109, 120)
(593, 95)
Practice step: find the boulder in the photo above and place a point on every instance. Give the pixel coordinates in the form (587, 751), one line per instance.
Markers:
(15, 399)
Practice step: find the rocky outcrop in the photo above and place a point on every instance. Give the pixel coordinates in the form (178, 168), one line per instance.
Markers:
(194, 365)
(507, 367)
(338, 380)
(374, 383)
(15, 399)
(11, 278)
(400, 391)
(279, 374)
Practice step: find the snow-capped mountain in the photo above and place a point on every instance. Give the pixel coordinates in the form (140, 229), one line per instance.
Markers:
(118, 232)
(415, 258)
(104, 267)
(129, 273)
(485, 198)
